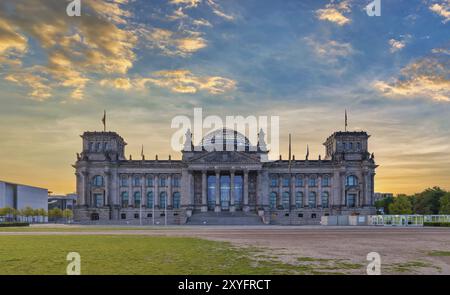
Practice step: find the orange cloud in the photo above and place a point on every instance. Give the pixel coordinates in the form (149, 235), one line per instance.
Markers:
(334, 12)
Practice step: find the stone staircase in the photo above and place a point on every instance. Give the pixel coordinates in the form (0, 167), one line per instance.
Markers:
(224, 218)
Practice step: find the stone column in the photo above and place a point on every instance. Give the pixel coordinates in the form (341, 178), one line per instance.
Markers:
(107, 191)
(156, 191)
(217, 208)
(232, 209)
(306, 191)
(292, 185)
(265, 189)
(82, 188)
(246, 208)
(342, 183)
(259, 198)
(130, 190)
(143, 194)
(280, 190)
(191, 189)
(169, 194)
(204, 207)
(319, 193)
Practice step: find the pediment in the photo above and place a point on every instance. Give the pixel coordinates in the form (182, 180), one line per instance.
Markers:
(226, 157)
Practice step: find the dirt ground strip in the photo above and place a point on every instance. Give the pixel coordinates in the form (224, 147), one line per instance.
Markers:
(402, 250)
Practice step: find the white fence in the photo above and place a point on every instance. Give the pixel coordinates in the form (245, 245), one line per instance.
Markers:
(383, 220)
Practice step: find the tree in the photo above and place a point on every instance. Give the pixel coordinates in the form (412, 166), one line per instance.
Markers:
(41, 212)
(401, 205)
(428, 201)
(55, 213)
(68, 214)
(445, 204)
(28, 211)
(384, 203)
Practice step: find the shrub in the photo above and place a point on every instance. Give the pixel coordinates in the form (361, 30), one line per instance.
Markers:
(8, 224)
(441, 224)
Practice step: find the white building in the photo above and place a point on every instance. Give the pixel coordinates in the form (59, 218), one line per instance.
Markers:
(19, 196)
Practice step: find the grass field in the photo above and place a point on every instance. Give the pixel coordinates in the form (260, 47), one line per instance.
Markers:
(115, 254)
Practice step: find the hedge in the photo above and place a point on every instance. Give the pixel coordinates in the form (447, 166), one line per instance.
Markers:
(441, 224)
(8, 224)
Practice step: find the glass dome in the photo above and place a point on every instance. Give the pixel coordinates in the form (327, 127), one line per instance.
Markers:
(226, 137)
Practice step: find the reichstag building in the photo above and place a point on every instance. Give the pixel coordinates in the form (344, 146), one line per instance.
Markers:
(213, 185)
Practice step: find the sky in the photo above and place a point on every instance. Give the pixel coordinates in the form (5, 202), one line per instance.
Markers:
(146, 62)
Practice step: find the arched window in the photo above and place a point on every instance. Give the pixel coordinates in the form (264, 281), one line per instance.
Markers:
(299, 200)
(124, 180)
(162, 181)
(137, 199)
(286, 181)
(176, 200)
(162, 199)
(352, 180)
(326, 180)
(273, 200)
(150, 180)
(299, 181)
(325, 199)
(285, 200)
(312, 200)
(312, 181)
(124, 199)
(274, 181)
(97, 180)
(137, 181)
(150, 199)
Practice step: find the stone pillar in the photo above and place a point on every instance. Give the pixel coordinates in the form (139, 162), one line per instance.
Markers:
(143, 194)
(130, 190)
(265, 189)
(292, 185)
(246, 208)
(217, 208)
(82, 188)
(156, 191)
(191, 189)
(232, 208)
(107, 191)
(169, 194)
(259, 198)
(204, 207)
(280, 190)
(319, 193)
(342, 184)
(306, 191)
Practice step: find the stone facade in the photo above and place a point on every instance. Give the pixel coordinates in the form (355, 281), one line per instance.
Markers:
(229, 175)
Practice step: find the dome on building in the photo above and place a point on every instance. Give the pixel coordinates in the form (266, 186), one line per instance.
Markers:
(227, 137)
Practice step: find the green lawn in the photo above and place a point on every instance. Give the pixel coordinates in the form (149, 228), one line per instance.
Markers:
(134, 254)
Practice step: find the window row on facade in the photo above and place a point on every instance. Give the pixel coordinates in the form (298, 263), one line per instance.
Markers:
(312, 181)
(163, 180)
(150, 200)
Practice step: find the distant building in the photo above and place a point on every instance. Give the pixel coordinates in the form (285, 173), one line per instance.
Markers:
(19, 196)
(62, 201)
(380, 196)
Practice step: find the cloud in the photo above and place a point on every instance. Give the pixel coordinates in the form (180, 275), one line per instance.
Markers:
(442, 9)
(186, 3)
(201, 22)
(178, 81)
(75, 48)
(217, 10)
(175, 43)
(397, 45)
(329, 51)
(334, 12)
(428, 78)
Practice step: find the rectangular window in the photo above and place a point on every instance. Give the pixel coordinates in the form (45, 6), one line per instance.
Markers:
(274, 181)
(286, 181)
(123, 216)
